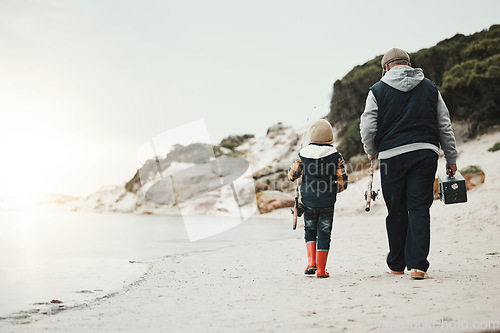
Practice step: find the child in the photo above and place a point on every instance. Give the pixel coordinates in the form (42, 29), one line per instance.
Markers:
(323, 176)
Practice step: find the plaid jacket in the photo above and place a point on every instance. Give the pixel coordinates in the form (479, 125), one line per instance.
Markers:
(296, 169)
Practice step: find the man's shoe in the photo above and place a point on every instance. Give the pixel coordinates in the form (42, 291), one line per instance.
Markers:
(393, 272)
(417, 274)
(397, 272)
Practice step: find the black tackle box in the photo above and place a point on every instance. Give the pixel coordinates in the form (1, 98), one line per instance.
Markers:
(452, 189)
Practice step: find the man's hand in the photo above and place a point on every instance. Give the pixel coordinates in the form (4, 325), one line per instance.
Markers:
(451, 169)
(371, 158)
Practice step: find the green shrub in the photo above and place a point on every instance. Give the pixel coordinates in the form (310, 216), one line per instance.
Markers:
(234, 141)
(471, 72)
(482, 49)
(218, 151)
(471, 169)
(495, 147)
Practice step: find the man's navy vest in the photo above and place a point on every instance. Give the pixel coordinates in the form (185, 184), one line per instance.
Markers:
(319, 180)
(406, 117)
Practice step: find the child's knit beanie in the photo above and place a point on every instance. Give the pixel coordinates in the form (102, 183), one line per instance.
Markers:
(321, 132)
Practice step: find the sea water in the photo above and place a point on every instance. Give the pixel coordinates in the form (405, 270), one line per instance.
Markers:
(74, 257)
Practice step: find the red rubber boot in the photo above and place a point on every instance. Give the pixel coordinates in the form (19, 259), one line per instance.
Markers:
(311, 258)
(321, 261)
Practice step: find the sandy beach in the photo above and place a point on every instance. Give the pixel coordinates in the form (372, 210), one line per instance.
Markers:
(262, 288)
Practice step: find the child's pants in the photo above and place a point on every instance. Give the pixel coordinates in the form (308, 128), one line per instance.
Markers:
(318, 226)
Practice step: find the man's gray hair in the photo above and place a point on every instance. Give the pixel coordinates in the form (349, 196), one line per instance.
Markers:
(398, 62)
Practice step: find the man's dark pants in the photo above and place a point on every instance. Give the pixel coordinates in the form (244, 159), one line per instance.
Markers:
(407, 186)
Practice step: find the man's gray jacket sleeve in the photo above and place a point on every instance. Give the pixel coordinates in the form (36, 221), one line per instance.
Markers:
(368, 125)
(446, 135)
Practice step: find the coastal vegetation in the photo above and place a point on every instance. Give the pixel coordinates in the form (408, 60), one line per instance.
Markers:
(495, 147)
(466, 70)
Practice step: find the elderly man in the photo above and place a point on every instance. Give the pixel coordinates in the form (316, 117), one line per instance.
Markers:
(405, 121)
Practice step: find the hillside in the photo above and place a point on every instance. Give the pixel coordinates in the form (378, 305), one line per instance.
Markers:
(465, 68)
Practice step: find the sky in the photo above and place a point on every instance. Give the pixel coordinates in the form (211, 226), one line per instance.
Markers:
(84, 84)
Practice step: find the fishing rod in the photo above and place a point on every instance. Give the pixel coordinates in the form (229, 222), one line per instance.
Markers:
(370, 194)
(295, 211)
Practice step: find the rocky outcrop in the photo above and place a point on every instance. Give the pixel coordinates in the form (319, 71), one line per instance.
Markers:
(270, 200)
(234, 141)
(204, 179)
(276, 128)
(436, 189)
(473, 176)
(273, 179)
(271, 156)
(196, 180)
(474, 179)
(117, 199)
(195, 153)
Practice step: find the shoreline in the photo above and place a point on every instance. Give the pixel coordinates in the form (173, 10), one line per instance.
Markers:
(42, 307)
(24, 317)
(261, 287)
